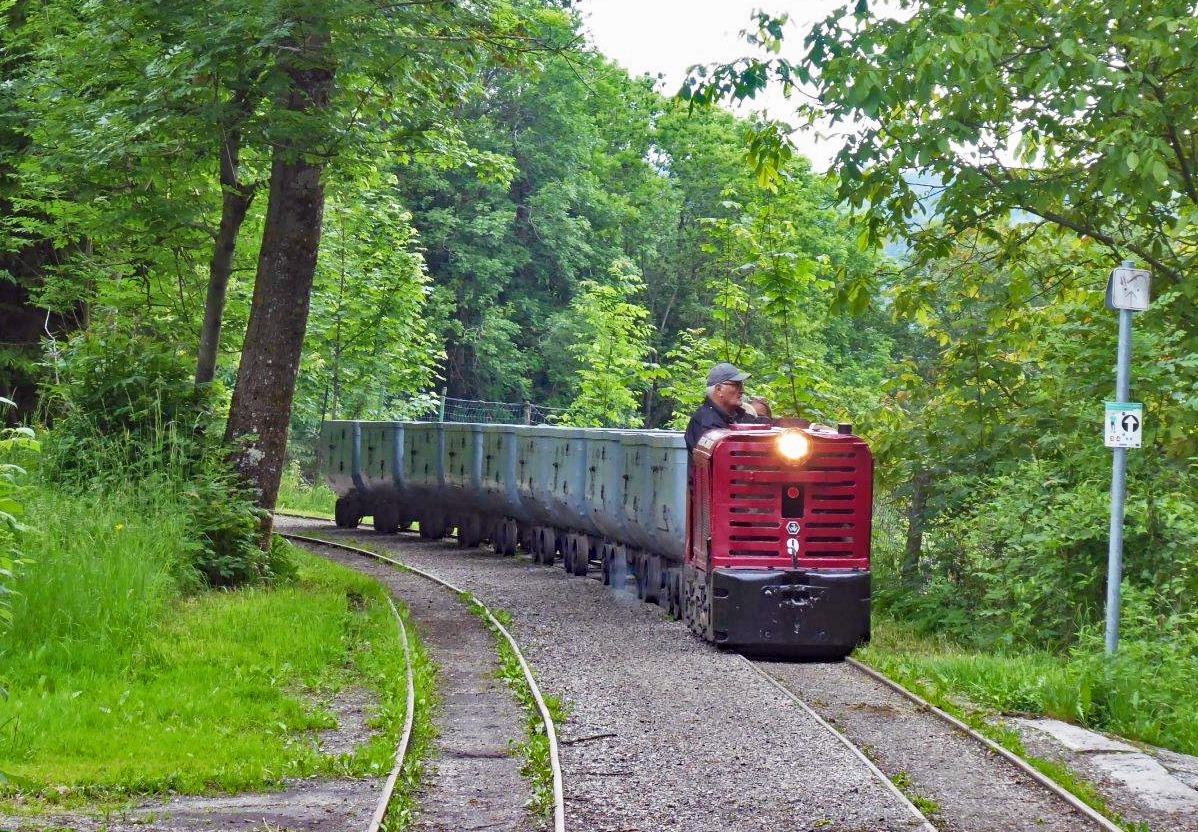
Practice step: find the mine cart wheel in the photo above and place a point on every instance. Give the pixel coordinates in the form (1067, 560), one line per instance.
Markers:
(470, 531)
(386, 518)
(653, 579)
(347, 513)
(580, 555)
(639, 568)
(619, 566)
(670, 592)
(432, 526)
(546, 545)
(507, 536)
(605, 562)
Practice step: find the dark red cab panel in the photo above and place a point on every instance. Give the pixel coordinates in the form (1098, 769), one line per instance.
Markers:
(753, 507)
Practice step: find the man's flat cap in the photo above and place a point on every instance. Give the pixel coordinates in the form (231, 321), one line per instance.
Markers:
(721, 373)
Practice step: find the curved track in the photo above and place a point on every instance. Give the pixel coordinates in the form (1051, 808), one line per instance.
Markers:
(534, 689)
(401, 751)
(966, 781)
(971, 783)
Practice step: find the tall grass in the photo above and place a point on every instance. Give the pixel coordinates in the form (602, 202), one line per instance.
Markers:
(121, 680)
(103, 572)
(297, 494)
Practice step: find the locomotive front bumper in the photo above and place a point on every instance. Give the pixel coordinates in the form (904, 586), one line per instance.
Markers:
(793, 614)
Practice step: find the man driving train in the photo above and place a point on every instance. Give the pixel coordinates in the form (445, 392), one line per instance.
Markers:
(725, 405)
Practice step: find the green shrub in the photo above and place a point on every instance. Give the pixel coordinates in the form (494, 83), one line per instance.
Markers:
(1023, 561)
(126, 412)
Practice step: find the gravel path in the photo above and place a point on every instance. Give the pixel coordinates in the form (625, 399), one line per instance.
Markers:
(664, 732)
(975, 789)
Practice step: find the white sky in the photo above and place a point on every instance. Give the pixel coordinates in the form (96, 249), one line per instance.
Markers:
(664, 37)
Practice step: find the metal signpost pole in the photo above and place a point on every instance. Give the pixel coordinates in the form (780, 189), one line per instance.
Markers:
(1114, 566)
(1127, 292)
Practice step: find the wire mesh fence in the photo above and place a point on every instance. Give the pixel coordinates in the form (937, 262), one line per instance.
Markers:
(507, 413)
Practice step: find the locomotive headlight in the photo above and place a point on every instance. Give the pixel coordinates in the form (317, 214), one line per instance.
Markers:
(793, 445)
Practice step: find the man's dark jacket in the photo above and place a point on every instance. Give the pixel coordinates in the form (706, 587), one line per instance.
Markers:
(708, 417)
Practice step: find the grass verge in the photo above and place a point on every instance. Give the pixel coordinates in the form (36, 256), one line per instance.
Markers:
(975, 687)
(119, 682)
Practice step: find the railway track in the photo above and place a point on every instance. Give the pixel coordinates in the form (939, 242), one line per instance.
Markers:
(956, 785)
(463, 783)
(622, 746)
(964, 780)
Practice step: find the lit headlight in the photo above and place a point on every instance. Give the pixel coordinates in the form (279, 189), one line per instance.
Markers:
(793, 445)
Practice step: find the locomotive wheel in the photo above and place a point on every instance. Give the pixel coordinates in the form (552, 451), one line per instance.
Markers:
(347, 513)
(386, 518)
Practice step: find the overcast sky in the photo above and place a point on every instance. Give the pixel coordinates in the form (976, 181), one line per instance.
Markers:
(664, 37)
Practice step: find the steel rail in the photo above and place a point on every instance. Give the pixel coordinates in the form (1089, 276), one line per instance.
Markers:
(559, 803)
(380, 808)
(846, 742)
(1017, 761)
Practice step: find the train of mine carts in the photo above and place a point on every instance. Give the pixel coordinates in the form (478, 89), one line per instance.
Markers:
(760, 542)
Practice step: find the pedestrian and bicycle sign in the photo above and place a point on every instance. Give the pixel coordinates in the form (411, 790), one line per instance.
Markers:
(1124, 423)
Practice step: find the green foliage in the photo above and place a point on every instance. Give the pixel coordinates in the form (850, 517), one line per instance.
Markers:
(125, 411)
(777, 300)
(299, 495)
(15, 444)
(609, 338)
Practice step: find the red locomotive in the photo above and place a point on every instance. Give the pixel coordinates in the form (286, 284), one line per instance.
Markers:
(778, 540)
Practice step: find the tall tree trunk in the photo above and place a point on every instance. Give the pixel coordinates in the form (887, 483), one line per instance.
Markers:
(234, 206)
(261, 408)
(915, 520)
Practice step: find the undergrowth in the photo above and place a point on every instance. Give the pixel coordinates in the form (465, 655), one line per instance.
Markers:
(298, 495)
(139, 688)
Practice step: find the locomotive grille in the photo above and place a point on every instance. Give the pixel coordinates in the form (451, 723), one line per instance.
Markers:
(754, 528)
(828, 496)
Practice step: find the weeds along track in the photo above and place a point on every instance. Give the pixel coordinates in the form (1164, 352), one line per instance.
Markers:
(961, 779)
(471, 755)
